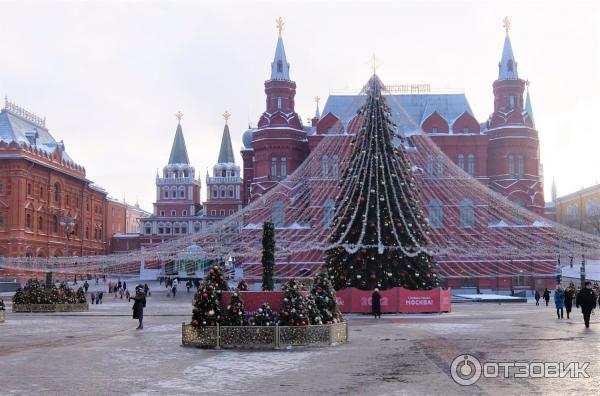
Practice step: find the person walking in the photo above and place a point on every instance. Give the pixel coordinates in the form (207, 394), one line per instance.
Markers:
(586, 299)
(174, 288)
(559, 301)
(188, 285)
(93, 297)
(124, 285)
(537, 297)
(86, 286)
(376, 304)
(138, 306)
(99, 297)
(547, 296)
(146, 290)
(569, 294)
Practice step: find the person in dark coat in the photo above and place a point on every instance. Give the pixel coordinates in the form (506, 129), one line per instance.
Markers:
(559, 301)
(138, 306)
(537, 299)
(586, 299)
(376, 304)
(547, 296)
(569, 294)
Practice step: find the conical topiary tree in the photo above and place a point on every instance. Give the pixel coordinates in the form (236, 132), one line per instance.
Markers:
(268, 256)
(80, 296)
(234, 314)
(323, 294)
(293, 310)
(314, 314)
(379, 228)
(264, 316)
(216, 278)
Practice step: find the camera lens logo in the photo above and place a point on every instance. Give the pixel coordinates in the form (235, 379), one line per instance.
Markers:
(465, 370)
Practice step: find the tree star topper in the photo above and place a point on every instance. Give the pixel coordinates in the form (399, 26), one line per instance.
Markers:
(376, 63)
(506, 24)
(226, 116)
(179, 116)
(280, 24)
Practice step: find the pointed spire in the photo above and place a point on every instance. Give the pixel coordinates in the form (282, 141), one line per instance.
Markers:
(317, 112)
(554, 191)
(226, 152)
(178, 151)
(280, 68)
(508, 64)
(528, 107)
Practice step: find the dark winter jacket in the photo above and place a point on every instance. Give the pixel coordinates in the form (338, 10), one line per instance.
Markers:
(537, 295)
(138, 305)
(586, 299)
(559, 298)
(547, 295)
(376, 302)
(569, 298)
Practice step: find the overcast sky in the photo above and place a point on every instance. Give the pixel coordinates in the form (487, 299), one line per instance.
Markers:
(109, 77)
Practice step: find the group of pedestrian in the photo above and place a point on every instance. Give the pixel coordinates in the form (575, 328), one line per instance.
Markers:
(97, 297)
(587, 299)
(171, 286)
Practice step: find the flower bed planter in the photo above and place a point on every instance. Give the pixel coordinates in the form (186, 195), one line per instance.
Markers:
(2, 315)
(37, 308)
(264, 337)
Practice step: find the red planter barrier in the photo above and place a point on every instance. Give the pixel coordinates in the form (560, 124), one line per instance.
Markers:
(352, 300)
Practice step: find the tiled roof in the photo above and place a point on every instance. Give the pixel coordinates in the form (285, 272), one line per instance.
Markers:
(226, 151)
(178, 151)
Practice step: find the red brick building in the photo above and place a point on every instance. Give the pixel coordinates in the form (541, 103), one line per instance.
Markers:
(47, 205)
(502, 153)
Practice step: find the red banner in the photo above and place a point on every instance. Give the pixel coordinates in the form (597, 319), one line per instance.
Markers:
(351, 300)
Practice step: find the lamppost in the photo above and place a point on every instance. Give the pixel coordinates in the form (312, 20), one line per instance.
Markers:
(67, 223)
(582, 270)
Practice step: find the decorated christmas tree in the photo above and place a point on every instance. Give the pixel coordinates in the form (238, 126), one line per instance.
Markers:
(19, 297)
(379, 228)
(268, 255)
(216, 278)
(207, 310)
(323, 295)
(313, 312)
(264, 316)
(234, 314)
(293, 310)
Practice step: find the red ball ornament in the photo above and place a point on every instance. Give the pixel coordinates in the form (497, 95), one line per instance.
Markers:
(205, 296)
(195, 323)
(373, 276)
(292, 322)
(286, 313)
(363, 250)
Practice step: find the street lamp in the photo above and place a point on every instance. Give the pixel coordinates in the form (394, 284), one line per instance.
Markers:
(68, 224)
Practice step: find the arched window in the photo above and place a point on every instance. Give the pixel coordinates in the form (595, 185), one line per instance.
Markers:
(467, 214)
(55, 224)
(436, 213)
(518, 218)
(181, 192)
(40, 223)
(279, 103)
(173, 192)
(223, 192)
(335, 164)
(521, 165)
(511, 165)
(430, 165)
(278, 213)
(471, 164)
(28, 220)
(441, 167)
(461, 161)
(230, 191)
(273, 166)
(215, 193)
(279, 66)
(56, 192)
(325, 166)
(328, 212)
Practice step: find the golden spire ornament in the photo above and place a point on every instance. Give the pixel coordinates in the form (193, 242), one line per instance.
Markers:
(280, 24)
(317, 100)
(179, 116)
(506, 25)
(226, 116)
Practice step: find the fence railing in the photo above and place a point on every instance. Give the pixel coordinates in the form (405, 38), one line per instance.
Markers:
(264, 337)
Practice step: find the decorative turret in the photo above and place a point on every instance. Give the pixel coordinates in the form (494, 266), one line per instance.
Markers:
(226, 152)
(317, 116)
(179, 151)
(528, 107)
(280, 68)
(508, 65)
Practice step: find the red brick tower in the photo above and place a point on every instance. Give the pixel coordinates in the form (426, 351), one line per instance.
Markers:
(278, 146)
(513, 151)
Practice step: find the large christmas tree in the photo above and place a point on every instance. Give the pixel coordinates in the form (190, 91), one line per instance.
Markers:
(379, 228)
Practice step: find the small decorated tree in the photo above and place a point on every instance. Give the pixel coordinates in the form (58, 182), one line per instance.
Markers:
(207, 310)
(264, 316)
(293, 310)
(19, 297)
(242, 286)
(314, 314)
(234, 314)
(268, 256)
(216, 279)
(323, 294)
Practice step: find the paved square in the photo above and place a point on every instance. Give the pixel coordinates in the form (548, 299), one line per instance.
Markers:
(101, 353)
